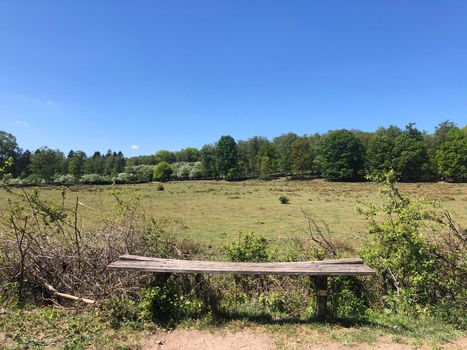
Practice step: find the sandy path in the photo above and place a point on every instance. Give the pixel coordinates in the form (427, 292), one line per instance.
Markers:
(205, 340)
(191, 339)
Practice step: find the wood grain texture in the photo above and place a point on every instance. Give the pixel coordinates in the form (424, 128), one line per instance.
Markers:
(313, 268)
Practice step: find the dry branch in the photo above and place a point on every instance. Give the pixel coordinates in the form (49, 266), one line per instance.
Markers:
(68, 296)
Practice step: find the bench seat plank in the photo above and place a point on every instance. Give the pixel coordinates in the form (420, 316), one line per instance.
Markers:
(313, 268)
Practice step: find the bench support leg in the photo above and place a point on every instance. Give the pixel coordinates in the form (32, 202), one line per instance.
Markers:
(321, 283)
(162, 277)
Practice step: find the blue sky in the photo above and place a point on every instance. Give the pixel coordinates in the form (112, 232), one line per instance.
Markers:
(94, 75)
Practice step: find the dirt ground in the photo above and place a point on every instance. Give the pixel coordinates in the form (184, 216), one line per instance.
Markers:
(192, 339)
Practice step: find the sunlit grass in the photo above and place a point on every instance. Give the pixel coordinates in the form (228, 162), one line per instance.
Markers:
(214, 212)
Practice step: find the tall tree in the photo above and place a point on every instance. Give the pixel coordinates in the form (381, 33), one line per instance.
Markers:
(75, 163)
(165, 156)
(432, 143)
(119, 163)
(208, 161)
(8, 148)
(22, 164)
(341, 155)
(410, 154)
(301, 156)
(141, 160)
(109, 162)
(284, 144)
(452, 155)
(94, 164)
(441, 132)
(380, 151)
(252, 153)
(226, 156)
(46, 163)
(189, 154)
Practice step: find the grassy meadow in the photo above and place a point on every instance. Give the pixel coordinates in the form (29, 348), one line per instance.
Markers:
(214, 212)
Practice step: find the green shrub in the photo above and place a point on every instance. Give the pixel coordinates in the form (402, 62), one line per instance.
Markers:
(177, 299)
(124, 178)
(123, 311)
(419, 255)
(284, 199)
(160, 187)
(233, 174)
(162, 305)
(67, 179)
(249, 248)
(162, 172)
(348, 297)
(141, 173)
(275, 301)
(95, 179)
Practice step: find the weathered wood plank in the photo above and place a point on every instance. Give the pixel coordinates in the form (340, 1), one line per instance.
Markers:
(334, 261)
(147, 264)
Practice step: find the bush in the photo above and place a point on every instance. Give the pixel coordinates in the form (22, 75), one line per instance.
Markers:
(348, 297)
(233, 174)
(249, 248)
(64, 180)
(95, 179)
(140, 173)
(160, 187)
(284, 199)
(14, 182)
(419, 254)
(124, 178)
(33, 180)
(123, 311)
(162, 172)
(162, 305)
(179, 298)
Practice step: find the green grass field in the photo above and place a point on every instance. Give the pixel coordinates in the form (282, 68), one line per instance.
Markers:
(214, 212)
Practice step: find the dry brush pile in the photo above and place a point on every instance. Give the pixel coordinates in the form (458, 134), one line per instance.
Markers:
(44, 249)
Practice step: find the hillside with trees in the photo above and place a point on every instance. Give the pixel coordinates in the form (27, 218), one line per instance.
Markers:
(338, 155)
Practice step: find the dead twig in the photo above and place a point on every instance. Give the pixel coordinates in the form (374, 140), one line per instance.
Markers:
(317, 235)
(68, 296)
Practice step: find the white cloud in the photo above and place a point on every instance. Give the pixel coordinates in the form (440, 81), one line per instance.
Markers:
(134, 146)
(21, 122)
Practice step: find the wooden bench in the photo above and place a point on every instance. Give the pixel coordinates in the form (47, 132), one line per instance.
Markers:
(319, 270)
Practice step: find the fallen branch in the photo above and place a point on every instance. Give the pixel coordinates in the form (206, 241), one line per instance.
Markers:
(68, 296)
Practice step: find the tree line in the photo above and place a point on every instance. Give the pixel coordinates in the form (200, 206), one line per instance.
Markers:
(341, 155)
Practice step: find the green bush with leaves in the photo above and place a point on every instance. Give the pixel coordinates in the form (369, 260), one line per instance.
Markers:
(162, 172)
(284, 199)
(177, 299)
(348, 297)
(95, 179)
(419, 253)
(249, 248)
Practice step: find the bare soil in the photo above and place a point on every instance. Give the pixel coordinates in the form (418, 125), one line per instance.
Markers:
(192, 339)
(188, 339)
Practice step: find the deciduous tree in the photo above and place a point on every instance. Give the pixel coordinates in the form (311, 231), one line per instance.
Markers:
(226, 156)
(452, 155)
(341, 156)
(46, 163)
